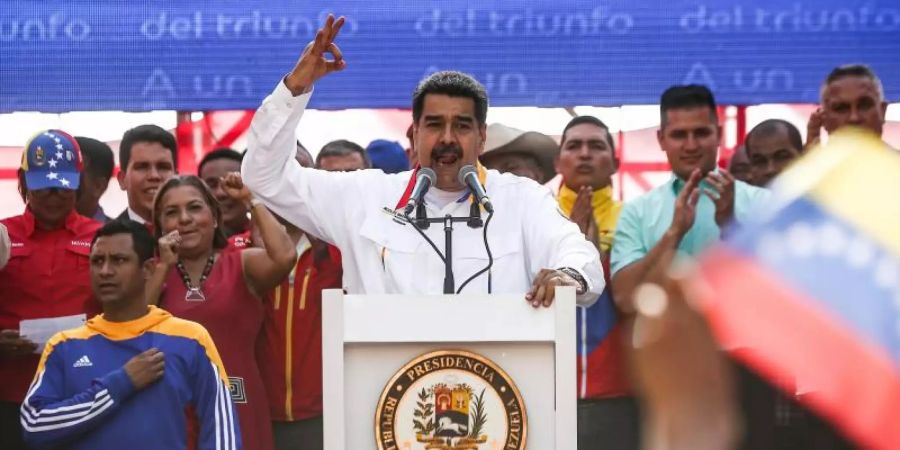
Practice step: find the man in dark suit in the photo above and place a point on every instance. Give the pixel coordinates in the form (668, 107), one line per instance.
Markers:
(147, 157)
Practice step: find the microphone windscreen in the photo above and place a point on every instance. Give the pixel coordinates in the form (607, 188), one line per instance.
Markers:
(427, 172)
(464, 171)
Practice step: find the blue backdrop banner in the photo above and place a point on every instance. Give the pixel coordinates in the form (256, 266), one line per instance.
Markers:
(70, 55)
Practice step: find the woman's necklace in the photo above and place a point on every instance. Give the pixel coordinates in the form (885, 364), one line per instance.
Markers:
(194, 293)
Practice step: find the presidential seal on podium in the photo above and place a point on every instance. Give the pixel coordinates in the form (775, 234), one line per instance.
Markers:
(450, 400)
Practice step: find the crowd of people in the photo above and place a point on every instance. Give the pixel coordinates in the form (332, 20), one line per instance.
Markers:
(204, 295)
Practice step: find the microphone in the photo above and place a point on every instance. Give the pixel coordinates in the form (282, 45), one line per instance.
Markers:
(424, 179)
(469, 176)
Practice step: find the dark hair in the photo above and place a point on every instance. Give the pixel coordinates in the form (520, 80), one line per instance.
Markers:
(687, 97)
(453, 84)
(343, 147)
(146, 133)
(98, 157)
(772, 126)
(219, 239)
(143, 243)
(304, 153)
(219, 153)
(852, 70)
(591, 120)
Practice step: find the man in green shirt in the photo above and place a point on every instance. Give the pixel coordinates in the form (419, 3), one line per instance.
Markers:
(685, 215)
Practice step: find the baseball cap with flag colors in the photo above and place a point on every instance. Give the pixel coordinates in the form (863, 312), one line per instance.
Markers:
(52, 159)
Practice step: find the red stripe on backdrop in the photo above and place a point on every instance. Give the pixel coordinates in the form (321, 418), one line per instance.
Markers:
(741, 121)
(237, 130)
(782, 333)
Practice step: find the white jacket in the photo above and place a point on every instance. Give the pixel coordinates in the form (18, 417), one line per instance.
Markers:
(526, 234)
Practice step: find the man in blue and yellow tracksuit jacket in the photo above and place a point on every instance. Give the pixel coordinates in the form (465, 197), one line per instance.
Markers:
(134, 377)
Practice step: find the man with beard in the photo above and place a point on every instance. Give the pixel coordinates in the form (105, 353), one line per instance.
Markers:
(535, 249)
(147, 157)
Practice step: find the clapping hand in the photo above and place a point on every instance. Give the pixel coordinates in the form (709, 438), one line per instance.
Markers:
(686, 205)
(721, 191)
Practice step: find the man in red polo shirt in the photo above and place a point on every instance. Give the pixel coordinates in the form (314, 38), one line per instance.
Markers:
(290, 350)
(48, 270)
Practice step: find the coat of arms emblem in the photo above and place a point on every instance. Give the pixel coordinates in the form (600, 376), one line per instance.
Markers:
(450, 400)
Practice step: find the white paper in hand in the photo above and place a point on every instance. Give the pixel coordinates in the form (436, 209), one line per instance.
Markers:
(40, 331)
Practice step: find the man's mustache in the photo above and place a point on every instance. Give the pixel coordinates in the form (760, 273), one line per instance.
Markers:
(442, 150)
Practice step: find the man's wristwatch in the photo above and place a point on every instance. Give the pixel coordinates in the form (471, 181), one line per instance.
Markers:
(582, 284)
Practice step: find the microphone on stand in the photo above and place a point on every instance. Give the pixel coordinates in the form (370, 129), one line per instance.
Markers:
(424, 179)
(468, 176)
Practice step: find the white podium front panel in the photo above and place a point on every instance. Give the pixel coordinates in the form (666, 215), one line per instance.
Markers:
(367, 340)
(369, 366)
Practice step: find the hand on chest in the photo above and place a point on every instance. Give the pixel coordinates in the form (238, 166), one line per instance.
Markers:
(89, 360)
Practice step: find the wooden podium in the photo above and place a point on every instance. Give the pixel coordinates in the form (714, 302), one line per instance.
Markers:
(367, 340)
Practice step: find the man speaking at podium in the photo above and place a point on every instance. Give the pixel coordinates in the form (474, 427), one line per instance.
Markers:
(533, 247)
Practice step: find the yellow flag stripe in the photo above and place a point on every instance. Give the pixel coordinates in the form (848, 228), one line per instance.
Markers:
(863, 188)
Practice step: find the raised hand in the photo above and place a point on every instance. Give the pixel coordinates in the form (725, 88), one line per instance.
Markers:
(686, 205)
(168, 248)
(313, 63)
(669, 336)
(814, 128)
(234, 187)
(582, 211)
(722, 195)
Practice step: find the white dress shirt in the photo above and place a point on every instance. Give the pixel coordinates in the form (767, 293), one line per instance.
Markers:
(135, 216)
(527, 233)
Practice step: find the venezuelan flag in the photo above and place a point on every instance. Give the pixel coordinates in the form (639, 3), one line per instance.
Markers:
(810, 295)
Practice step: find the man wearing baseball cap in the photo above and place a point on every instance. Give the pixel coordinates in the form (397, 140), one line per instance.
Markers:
(48, 270)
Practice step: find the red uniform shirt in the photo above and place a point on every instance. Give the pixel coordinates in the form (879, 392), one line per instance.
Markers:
(290, 347)
(239, 240)
(48, 275)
